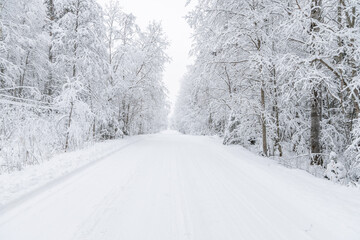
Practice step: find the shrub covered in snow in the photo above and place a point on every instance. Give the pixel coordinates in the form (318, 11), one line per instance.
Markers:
(335, 171)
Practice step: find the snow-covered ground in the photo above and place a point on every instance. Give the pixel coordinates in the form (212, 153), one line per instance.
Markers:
(16, 184)
(171, 186)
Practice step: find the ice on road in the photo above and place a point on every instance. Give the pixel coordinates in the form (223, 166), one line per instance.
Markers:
(171, 186)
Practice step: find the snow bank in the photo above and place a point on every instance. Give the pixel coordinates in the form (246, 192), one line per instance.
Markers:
(16, 184)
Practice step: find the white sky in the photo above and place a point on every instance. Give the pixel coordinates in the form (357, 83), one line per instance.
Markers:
(171, 13)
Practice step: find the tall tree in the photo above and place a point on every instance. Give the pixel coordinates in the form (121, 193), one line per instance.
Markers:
(316, 16)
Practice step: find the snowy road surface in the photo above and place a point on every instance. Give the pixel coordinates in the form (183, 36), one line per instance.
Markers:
(170, 186)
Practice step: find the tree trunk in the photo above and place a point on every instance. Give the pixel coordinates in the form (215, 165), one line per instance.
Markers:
(94, 129)
(49, 86)
(68, 127)
(263, 122)
(23, 75)
(315, 129)
(74, 75)
(1, 30)
(2, 67)
(276, 110)
(75, 44)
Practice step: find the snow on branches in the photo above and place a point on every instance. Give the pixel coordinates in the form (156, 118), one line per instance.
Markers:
(279, 75)
(72, 73)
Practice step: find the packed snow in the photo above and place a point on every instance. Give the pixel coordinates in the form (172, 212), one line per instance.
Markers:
(16, 184)
(172, 186)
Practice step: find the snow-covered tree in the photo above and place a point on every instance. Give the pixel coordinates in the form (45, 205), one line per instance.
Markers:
(282, 76)
(71, 74)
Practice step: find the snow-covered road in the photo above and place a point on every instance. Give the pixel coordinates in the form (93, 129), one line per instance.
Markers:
(170, 186)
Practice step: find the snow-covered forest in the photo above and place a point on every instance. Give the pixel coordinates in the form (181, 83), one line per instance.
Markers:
(110, 129)
(280, 78)
(72, 73)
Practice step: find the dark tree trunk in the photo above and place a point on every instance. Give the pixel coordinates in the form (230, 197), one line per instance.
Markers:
(263, 123)
(315, 129)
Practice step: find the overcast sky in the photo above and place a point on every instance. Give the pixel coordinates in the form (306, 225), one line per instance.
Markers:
(171, 13)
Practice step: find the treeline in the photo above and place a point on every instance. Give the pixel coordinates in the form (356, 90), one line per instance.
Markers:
(72, 73)
(279, 77)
